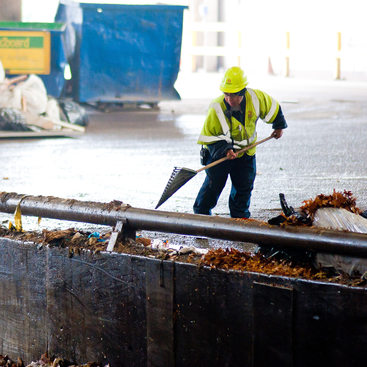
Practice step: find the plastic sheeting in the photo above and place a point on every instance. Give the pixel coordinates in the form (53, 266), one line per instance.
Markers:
(32, 92)
(2, 73)
(27, 99)
(341, 219)
(129, 53)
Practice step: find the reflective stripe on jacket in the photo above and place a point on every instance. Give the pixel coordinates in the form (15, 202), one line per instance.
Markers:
(217, 127)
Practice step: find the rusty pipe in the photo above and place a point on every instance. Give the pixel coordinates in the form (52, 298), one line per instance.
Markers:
(321, 240)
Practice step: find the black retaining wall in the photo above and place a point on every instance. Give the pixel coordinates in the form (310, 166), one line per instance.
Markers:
(135, 311)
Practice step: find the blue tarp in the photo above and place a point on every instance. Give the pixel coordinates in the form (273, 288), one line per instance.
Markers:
(128, 53)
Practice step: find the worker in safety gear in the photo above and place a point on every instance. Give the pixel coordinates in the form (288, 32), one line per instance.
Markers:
(230, 125)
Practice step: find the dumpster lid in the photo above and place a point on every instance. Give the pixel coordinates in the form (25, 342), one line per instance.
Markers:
(32, 26)
(94, 6)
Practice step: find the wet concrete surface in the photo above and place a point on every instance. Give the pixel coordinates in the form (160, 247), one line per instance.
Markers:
(128, 154)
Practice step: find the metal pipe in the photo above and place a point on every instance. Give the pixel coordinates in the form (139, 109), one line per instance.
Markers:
(320, 240)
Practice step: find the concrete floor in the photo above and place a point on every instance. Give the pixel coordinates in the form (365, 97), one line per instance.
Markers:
(129, 154)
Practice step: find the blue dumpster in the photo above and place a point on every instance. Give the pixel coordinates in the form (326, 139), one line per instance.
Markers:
(24, 50)
(128, 53)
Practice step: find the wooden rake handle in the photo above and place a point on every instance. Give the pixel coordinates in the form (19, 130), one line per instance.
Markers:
(240, 151)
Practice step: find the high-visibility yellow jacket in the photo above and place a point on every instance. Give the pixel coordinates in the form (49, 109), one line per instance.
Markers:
(217, 127)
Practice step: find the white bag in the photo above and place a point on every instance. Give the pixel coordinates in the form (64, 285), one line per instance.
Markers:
(34, 93)
(340, 219)
(2, 73)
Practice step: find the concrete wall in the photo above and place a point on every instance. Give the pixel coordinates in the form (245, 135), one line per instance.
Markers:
(10, 10)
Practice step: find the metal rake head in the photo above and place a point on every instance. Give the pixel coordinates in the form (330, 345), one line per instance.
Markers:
(179, 177)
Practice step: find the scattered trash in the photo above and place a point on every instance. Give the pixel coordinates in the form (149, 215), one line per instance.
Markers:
(46, 361)
(73, 112)
(231, 259)
(287, 262)
(97, 235)
(27, 110)
(12, 120)
(18, 219)
(305, 214)
(159, 244)
(337, 211)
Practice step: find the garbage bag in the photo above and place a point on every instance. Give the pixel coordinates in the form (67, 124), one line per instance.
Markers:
(12, 120)
(74, 113)
(10, 98)
(53, 110)
(340, 219)
(2, 73)
(33, 91)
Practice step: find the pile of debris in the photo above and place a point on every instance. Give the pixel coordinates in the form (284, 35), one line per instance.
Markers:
(45, 361)
(276, 261)
(77, 241)
(311, 212)
(337, 211)
(25, 108)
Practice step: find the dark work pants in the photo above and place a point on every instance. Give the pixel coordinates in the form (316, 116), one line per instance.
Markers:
(242, 172)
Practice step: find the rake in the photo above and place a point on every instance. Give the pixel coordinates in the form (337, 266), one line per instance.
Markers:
(181, 175)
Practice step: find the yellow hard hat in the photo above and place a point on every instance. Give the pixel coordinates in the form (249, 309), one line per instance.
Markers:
(234, 80)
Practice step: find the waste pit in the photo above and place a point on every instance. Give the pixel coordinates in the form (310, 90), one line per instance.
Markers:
(145, 303)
